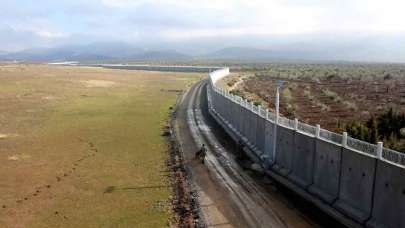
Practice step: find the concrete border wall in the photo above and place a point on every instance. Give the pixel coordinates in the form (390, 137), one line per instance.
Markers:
(326, 174)
(389, 197)
(198, 69)
(252, 128)
(268, 140)
(260, 133)
(303, 160)
(240, 118)
(358, 183)
(285, 145)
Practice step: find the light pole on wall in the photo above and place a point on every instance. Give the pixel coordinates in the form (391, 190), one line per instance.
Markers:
(279, 84)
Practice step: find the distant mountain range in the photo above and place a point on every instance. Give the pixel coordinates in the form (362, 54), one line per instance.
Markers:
(241, 52)
(290, 53)
(97, 51)
(125, 52)
(112, 51)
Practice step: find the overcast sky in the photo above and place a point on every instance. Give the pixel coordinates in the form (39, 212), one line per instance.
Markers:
(46, 23)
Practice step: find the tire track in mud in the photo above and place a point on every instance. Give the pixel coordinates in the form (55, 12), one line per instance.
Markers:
(258, 207)
(240, 188)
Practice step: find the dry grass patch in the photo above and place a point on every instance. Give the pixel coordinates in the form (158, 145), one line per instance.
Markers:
(98, 83)
(70, 150)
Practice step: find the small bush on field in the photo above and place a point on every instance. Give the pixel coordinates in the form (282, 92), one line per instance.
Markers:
(290, 111)
(323, 106)
(307, 93)
(287, 95)
(391, 122)
(236, 92)
(232, 82)
(292, 86)
(387, 76)
(392, 142)
(350, 105)
(332, 95)
(257, 103)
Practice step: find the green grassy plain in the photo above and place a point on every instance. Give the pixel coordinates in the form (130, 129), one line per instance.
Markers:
(82, 147)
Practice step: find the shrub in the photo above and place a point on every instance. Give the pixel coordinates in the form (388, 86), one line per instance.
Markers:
(350, 105)
(358, 130)
(287, 95)
(332, 95)
(391, 122)
(290, 111)
(323, 106)
(237, 92)
(257, 103)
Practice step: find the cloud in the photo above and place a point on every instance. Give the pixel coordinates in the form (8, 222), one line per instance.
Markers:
(17, 40)
(188, 18)
(51, 35)
(158, 22)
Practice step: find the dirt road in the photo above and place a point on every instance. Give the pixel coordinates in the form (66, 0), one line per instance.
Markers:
(229, 195)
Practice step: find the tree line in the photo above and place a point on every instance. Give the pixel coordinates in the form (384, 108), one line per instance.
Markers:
(388, 127)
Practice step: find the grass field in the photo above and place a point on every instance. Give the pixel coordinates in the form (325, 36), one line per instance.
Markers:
(82, 147)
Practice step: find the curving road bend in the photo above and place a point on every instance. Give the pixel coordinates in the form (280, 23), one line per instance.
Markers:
(229, 195)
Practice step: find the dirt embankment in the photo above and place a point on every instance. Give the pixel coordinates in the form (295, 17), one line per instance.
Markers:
(185, 204)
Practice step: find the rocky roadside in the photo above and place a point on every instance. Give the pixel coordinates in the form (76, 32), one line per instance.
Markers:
(184, 200)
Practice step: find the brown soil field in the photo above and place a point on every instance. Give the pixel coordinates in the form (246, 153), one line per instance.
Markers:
(328, 102)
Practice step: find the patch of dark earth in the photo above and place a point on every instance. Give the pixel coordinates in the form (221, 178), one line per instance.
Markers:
(185, 199)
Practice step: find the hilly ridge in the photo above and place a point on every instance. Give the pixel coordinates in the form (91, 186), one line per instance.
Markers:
(95, 51)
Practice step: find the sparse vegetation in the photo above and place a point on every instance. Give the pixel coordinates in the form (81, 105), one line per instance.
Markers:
(307, 93)
(350, 105)
(232, 82)
(337, 96)
(329, 72)
(324, 107)
(287, 95)
(257, 103)
(75, 155)
(334, 93)
(237, 93)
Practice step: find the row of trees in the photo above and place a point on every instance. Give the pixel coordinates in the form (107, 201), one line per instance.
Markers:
(388, 127)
